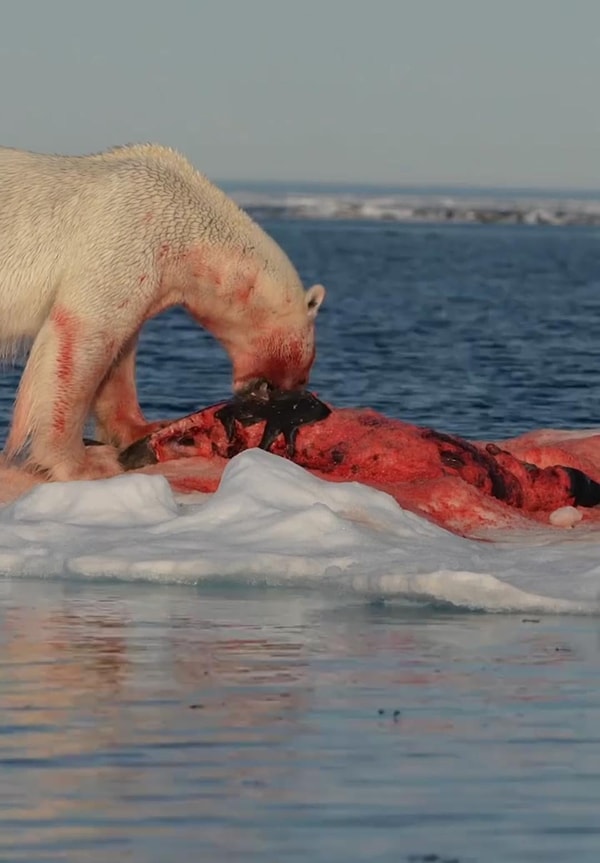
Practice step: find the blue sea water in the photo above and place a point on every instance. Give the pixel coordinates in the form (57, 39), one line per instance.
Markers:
(146, 723)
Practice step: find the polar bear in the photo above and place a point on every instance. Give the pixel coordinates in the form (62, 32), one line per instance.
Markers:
(93, 246)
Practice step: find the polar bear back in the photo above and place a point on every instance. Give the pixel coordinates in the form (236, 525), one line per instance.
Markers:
(64, 218)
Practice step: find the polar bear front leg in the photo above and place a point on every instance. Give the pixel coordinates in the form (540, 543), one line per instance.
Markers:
(119, 418)
(68, 360)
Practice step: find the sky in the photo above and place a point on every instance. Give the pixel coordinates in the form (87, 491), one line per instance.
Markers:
(392, 92)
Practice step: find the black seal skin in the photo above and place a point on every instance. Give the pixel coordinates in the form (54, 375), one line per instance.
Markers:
(283, 412)
(138, 454)
(585, 490)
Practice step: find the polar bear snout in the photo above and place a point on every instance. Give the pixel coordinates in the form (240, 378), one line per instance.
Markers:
(253, 386)
(249, 385)
(281, 353)
(286, 368)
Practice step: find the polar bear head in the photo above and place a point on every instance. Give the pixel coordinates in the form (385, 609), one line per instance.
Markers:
(277, 344)
(253, 301)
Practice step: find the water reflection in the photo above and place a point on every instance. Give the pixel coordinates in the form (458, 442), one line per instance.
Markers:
(152, 722)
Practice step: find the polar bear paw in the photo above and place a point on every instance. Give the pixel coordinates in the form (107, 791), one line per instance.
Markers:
(93, 462)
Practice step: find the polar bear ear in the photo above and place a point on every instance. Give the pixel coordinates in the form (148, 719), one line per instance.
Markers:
(314, 298)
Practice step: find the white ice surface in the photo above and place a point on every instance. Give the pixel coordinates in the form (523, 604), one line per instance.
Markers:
(271, 522)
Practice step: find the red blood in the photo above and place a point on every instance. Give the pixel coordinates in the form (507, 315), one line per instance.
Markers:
(279, 358)
(244, 290)
(459, 484)
(66, 327)
(59, 421)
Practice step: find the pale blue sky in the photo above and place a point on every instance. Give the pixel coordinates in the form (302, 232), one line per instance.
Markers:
(393, 91)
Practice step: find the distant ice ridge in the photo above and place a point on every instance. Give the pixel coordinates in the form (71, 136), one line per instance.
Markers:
(422, 208)
(273, 523)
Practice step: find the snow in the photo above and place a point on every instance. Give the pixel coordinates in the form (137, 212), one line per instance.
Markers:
(273, 523)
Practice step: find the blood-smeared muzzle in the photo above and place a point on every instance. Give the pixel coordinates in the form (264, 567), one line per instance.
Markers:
(281, 363)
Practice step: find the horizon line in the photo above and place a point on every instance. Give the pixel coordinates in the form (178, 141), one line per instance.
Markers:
(431, 185)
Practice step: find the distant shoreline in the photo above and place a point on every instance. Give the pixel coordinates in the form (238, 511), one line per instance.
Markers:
(268, 201)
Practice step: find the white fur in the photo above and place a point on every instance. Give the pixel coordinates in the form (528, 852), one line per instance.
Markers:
(93, 246)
